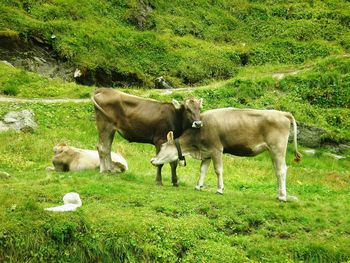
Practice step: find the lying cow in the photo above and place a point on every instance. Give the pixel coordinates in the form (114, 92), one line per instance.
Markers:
(240, 132)
(69, 158)
(141, 120)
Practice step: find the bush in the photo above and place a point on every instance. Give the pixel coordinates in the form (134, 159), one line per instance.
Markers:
(288, 52)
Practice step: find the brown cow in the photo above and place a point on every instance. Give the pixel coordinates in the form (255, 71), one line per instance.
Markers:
(240, 132)
(141, 120)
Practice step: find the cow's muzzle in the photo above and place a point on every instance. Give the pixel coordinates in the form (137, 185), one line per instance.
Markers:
(197, 124)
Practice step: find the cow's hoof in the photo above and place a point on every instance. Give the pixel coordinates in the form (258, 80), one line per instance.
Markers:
(198, 187)
(159, 183)
(175, 184)
(220, 191)
(282, 198)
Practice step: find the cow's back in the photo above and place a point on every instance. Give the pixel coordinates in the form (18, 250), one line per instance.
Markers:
(238, 131)
(137, 119)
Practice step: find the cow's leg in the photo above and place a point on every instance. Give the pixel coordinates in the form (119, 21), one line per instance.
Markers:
(281, 172)
(204, 167)
(217, 161)
(173, 166)
(159, 175)
(106, 131)
(279, 162)
(159, 167)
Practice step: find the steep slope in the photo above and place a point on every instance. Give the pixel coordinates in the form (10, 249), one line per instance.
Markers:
(133, 42)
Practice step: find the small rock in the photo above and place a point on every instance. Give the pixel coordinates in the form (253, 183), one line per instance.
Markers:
(38, 60)
(9, 119)
(4, 175)
(308, 136)
(161, 83)
(335, 156)
(3, 127)
(344, 147)
(77, 73)
(309, 152)
(13, 207)
(71, 202)
(278, 76)
(19, 121)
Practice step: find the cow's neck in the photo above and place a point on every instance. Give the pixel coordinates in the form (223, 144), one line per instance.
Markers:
(189, 142)
(179, 123)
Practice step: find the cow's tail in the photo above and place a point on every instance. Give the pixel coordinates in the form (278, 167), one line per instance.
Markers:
(97, 106)
(297, 155)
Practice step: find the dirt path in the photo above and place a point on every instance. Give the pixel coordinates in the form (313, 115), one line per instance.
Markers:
(275, 74)
(40, 100)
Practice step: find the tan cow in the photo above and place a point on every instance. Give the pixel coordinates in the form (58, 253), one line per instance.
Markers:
(69, 158)
(241, 132)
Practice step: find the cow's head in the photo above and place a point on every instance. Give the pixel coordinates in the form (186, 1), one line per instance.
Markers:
(190, 112)
(168, 152)
(59, 148)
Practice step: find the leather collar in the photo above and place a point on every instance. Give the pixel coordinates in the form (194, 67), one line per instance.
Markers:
(179, 152)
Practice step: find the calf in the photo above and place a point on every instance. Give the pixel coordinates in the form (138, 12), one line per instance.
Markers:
(240, 132)
(69, 158)
(141, 120)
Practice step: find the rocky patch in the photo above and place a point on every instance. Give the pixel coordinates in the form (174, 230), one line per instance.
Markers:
(20, 121)
(34, 55)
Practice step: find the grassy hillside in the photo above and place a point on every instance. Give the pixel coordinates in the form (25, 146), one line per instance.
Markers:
(187, 42)
(318, 94)
(129, 218)
(284, 55)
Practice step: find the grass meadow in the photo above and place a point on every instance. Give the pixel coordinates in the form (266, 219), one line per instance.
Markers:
(127, 218)
(285, 55)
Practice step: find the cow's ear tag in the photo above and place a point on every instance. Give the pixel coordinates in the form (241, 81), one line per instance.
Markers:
(170, 136)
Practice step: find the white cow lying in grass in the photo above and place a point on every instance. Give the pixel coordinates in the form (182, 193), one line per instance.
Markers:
(69, 158)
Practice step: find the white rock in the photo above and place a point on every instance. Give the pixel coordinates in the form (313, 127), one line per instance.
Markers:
(278, 76)
(77, 73)
(335, 156)
(71, 202)
(309, 152)
(19, 121)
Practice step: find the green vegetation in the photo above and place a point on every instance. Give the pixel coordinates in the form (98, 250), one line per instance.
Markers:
(21, 83)
(318, 94)
(284, 55)
(187, 42)
(128, 218)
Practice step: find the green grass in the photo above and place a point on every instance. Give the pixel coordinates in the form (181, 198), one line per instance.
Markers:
(128, 218)
(234, 48)
(188, 43)
(21, 83)
(318, 94)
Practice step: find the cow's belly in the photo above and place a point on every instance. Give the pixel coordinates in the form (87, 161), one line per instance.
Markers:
(245, 150)
(132, 137)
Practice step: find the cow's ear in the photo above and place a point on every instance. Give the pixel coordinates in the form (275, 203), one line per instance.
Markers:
(201, 103)
(170, 136)
(176, 104)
